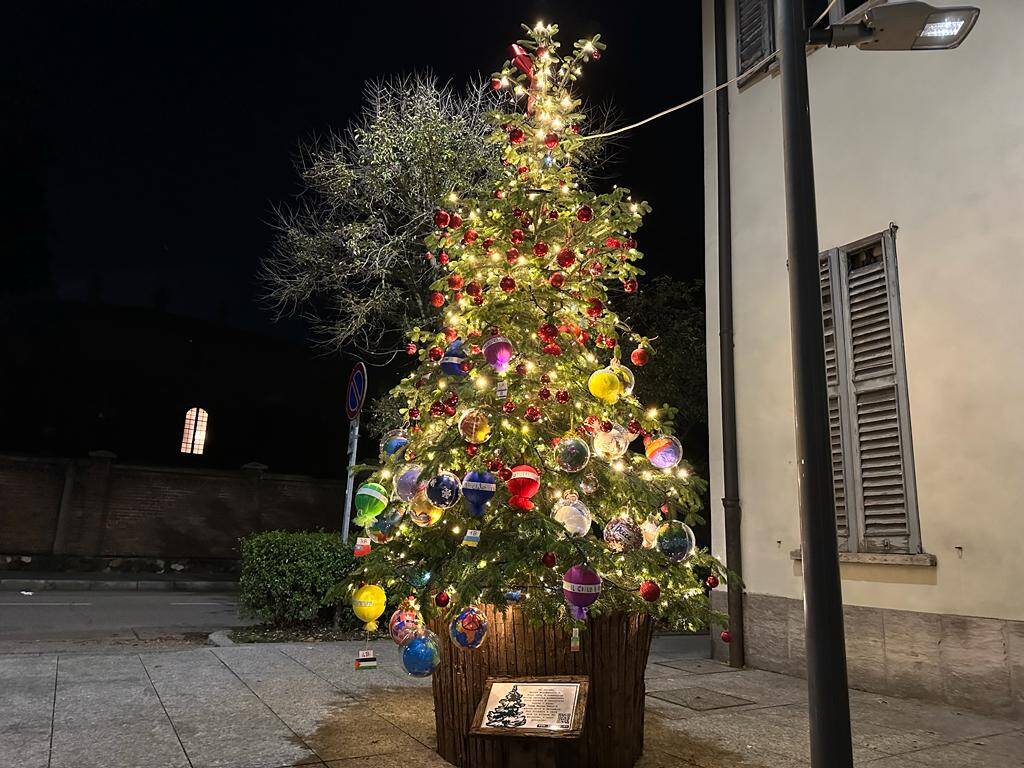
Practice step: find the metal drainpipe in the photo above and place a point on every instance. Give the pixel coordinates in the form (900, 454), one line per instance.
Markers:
(731, 499)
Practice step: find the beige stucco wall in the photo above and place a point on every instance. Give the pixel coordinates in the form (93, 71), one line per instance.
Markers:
(933, 141)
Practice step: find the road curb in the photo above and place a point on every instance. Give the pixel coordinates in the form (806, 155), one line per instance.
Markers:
(220, 639)
(118, 585)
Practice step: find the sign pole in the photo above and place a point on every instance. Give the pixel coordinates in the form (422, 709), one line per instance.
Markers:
(354, 396)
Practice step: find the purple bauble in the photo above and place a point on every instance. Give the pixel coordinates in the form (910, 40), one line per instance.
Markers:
(498, 352)
(408, 483)
(581, 587)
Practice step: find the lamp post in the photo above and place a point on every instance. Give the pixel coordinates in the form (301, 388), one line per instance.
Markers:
(907, 25)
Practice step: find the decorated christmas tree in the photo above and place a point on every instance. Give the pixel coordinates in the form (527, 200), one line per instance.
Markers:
(509, 711)
(527, 472)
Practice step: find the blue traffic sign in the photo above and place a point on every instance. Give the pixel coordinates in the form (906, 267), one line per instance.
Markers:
(356, 392)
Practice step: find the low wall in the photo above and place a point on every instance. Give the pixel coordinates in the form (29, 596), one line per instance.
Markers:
(96, 507)
(966, 661)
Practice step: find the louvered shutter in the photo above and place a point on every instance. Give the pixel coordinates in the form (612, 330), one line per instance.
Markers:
(833, 378)
(872, 425)
(755, 33)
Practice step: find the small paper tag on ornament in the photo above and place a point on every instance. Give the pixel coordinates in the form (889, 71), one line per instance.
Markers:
(366, 659)
(501, 389)
(472, 538)
(574, 644)
(362, 546)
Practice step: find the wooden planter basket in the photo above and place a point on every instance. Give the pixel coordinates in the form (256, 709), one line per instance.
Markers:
(613, 655)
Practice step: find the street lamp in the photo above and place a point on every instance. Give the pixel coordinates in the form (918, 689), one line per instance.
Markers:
(905, 25)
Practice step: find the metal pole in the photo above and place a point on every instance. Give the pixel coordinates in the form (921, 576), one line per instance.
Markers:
(730, 456)
(828, 698)
(353, 445)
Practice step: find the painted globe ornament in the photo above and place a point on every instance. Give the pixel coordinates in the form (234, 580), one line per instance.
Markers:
(478, 488)
(523, 484)
(612, 444)
(581, 586)
(676, 540)
(498, 353)
(423, 512)
(421, 653)
(415, 575)
(626, 377)
(572, 454)
(371, 498)
(622, 534)
(443, 490)
(404, 623)
(469, 627)
(605, 385)
(368, 604)
(664, 451)
(393, 444)
(573, 515)
(384, 527)
(589, 483)
(407, 482)
(475, 426)
(454, 357)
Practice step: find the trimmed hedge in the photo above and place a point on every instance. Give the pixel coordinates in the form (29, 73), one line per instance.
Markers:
(286, 576)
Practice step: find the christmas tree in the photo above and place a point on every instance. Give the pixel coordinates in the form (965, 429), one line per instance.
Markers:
(509, 712)
(520, 419)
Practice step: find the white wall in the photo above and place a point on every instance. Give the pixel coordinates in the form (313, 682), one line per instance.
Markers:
(933, 141)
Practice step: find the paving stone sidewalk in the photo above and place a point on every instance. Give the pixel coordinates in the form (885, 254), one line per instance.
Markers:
(271, 706)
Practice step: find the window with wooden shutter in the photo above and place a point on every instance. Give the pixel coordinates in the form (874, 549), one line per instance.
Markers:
(869, 417)
(755, 34)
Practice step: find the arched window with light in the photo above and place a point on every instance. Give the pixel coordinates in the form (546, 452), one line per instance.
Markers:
(193, 438)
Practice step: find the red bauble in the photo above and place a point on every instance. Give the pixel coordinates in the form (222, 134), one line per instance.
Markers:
(596, 55)
(552, 214)
(410, 348)
(557, 280)
(517, 236)
(639, 356)
(441, 599)
(495, 84)
(552, 349)
(595, 268)
(469, 237)
(437, 299)
(634, 427)
(442, 219)
(478, 300)
(629, 286)
(532, 413)
(512, 255)
(523, 482)
(465, 366)
(500, 194)
(547, 332)
(508, 284)
(473, 289)
(545, 378)
(650, 591)
(711, 581)
(585, 213)
(540, 250)
(544, 393)
(518, 212)
(508, 406)
(443, 258)
(435, 353)
(450, 335)
(472, 449)
(562, 396)
(551, 141)
(505, 474)
(594, 307)
(609, 342)
(494, 465)
(726, 636)
(452, 398)
(455, 282)
(523, 169)
(437, 408)
(550, 559)
(456, 221)
(566, 258)
(414, 413)
(630, 242)
(520, 369)
(488, 242)
(612, 242)
(516, 136)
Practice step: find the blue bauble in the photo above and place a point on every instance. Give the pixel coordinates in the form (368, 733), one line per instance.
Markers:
(453, 358)
(393, 443)
(443, 490)
(676, 541)
(421, 654)
(416, 576)
(469, 627)
(478, 488)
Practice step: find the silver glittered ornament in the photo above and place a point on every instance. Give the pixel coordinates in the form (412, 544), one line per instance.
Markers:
(589, 483)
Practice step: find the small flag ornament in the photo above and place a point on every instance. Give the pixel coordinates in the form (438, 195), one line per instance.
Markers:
(472, 538)
(362, 546)
(366, 659)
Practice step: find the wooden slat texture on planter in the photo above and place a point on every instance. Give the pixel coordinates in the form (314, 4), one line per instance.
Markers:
(613, 654)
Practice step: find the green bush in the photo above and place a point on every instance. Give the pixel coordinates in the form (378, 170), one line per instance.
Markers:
(286, 576)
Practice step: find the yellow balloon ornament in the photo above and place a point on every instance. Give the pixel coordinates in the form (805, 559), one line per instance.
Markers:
(605, 385)
(368, 604)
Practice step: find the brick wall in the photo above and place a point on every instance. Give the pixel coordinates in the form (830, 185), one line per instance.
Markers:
(95, 507)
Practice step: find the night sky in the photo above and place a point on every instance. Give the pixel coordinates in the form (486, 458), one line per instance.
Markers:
(146, 143)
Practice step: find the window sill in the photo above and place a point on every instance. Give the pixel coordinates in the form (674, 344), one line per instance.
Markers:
(878, 558)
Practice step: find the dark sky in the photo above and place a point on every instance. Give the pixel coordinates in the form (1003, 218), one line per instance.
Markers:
(145, 143)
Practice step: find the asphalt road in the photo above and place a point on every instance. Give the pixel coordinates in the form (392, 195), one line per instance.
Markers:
(86, 620)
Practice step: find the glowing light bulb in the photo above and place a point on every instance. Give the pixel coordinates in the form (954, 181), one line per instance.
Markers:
(442, 384)
(652, 413)
(456, 530)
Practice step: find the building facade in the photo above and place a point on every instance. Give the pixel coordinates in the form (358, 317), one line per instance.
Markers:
(919, 166)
